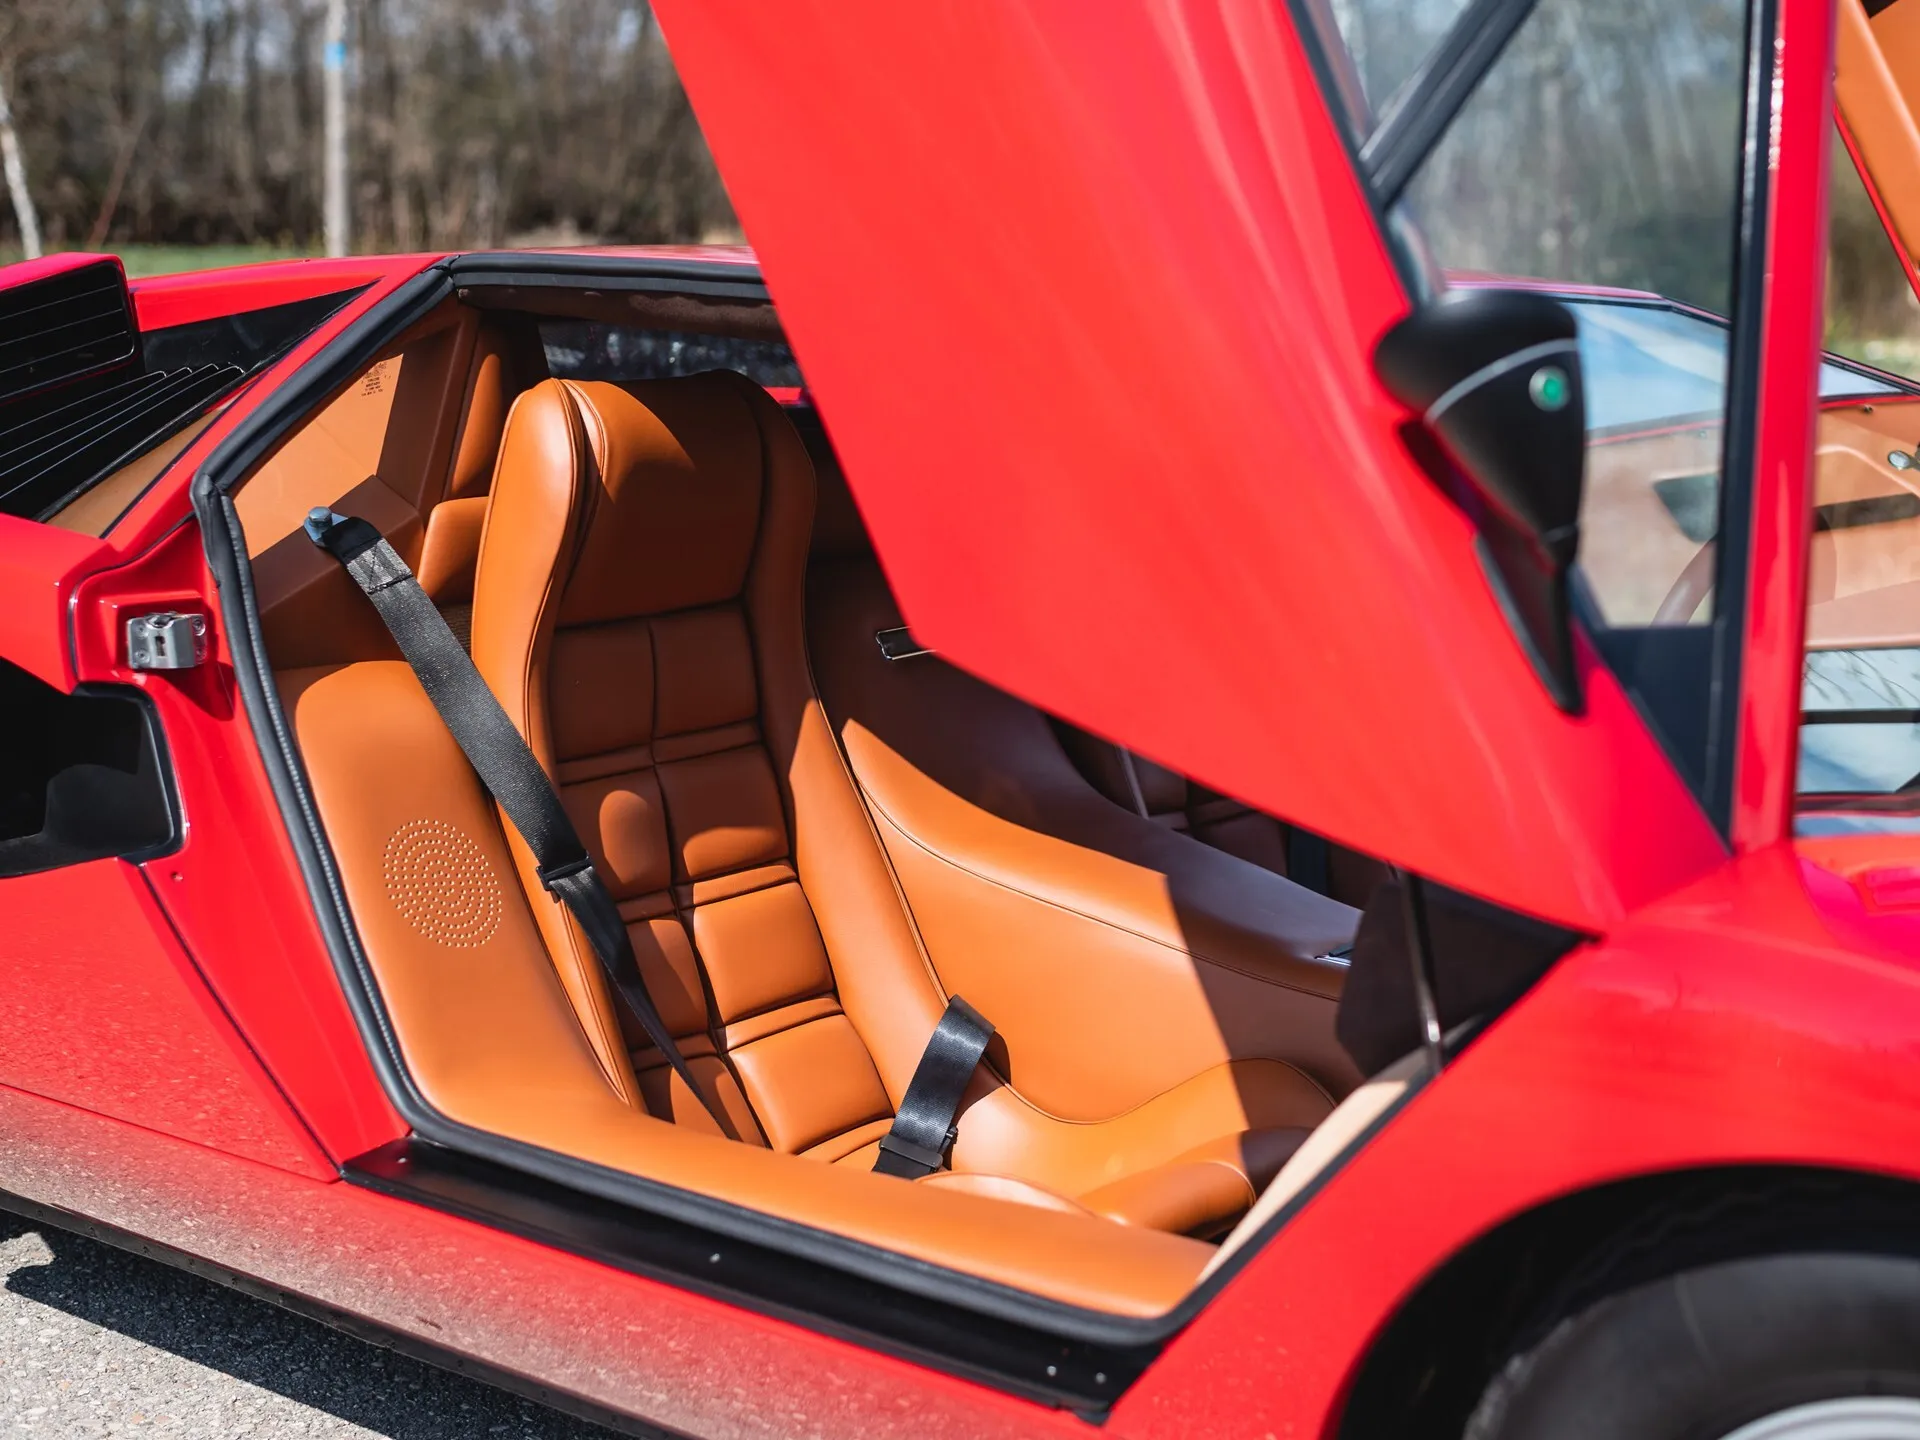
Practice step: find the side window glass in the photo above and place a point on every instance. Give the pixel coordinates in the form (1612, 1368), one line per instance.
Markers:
(1595, 150)
(592, 350)
(1601, 155)
(1860, 722)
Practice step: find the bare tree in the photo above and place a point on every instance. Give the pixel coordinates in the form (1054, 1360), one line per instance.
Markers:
(24, 214)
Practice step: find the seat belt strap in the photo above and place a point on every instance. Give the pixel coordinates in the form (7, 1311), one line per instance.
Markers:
(923, 1129)
(503, 761)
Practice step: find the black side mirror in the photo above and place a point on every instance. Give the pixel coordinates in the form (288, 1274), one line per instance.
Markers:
(1495, 377)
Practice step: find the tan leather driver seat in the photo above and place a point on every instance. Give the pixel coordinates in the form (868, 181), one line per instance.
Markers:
(638, 610)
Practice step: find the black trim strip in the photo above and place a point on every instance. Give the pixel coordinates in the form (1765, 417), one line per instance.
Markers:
(960, 1322)
(1860, 717)
(511, 269)
(371, 1332)
(1072, 1374)
(1747, 308)
(1423, 107)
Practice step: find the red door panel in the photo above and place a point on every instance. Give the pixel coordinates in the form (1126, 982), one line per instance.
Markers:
(232, 889)
(101, 1008)
(1087, 297)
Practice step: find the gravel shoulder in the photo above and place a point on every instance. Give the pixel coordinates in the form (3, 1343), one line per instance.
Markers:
(97, 1342)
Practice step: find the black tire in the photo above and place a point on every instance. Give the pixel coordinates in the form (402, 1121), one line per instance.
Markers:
(1699, 1354)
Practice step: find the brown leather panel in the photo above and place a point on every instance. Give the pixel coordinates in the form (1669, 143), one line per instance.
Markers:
(666, 1097)
(706, 742)
(739, 882)
(810, 1082)
(1015, 919)
(333, 451)
(1201, 1192)
(451, 549)
(676, 503)
(623, 822)
(490, 389)
(532, 525)
(600, 688)
(1190, 956)
(725, 812)
(1000, 1187)
(380, 761)
(706, 670)
(755, 1027)
(762, 949)
(311, 612)
(857, 1147)
(1002, 1134)
(672, 978)
(599, 767)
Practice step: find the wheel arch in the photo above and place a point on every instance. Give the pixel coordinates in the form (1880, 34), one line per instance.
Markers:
(1425, 1369)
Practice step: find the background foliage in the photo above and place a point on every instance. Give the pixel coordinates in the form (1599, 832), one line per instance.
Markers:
(473, 122)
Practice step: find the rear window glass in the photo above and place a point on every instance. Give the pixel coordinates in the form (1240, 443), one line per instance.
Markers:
(590, 350)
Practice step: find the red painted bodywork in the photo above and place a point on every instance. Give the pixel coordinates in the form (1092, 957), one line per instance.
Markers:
(1112, 256)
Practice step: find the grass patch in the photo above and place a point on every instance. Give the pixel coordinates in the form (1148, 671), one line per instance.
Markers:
(142, 260)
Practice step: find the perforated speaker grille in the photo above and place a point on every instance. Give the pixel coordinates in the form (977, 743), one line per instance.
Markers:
(441, 882)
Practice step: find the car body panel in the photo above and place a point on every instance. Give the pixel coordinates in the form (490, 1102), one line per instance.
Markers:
(1086, 232)
(1761, 1017)
(634, 1345)
(1115, 256)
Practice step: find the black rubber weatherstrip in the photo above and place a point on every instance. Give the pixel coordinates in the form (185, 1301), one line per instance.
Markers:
(1423, 108)
(1042, 1366)
(720, 279)
(824, 1280)
(1747, 305)
(372, 1332)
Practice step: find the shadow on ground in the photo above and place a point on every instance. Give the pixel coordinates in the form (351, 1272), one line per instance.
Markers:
(254, 1368)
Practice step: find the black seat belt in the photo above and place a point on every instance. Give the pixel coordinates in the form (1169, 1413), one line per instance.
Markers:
(503, 761)
(923, 1130)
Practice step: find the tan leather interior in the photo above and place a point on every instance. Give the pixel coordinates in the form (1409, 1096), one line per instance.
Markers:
(1876, 82)
(1027, 884)
(94, 510)
(803, 896)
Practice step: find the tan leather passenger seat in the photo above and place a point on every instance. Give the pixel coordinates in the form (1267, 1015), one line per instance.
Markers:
(638, 610)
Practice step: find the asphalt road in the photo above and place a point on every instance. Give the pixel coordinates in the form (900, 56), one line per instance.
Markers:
(97, 1342)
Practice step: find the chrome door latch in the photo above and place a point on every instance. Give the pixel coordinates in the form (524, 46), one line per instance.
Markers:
(166, 640)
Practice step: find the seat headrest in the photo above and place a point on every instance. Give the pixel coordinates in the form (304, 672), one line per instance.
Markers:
(673, 474)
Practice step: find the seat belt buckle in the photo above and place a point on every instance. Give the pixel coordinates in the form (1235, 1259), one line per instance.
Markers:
(552, 875)
(928, 1160)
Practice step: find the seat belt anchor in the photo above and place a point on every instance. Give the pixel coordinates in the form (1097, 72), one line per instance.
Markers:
(318, 522)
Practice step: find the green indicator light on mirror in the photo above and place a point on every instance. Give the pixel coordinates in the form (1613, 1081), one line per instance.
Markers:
(1549, 387)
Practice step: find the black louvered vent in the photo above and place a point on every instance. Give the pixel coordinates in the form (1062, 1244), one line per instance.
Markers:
(63, 328)
(51, 452)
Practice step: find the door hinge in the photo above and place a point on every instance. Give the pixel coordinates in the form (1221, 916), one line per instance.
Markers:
(166, 640)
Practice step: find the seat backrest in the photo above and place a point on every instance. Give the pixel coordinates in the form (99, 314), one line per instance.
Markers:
(637, 609)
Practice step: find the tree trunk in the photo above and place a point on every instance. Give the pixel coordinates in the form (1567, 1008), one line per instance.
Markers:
(16, 169)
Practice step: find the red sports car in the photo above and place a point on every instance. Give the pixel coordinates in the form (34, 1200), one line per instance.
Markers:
(1079, 795)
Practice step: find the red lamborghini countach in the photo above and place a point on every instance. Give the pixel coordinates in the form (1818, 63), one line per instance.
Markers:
(1107, 788)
